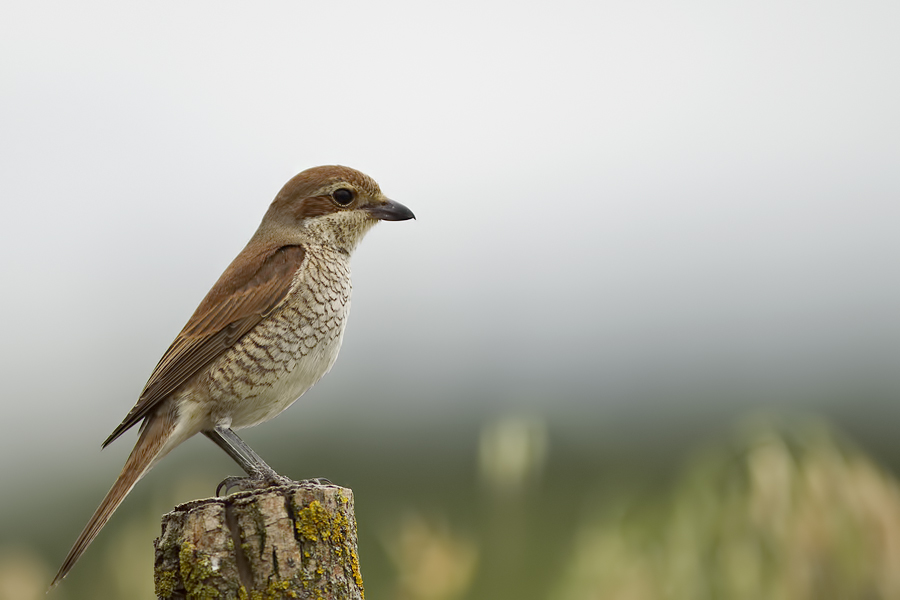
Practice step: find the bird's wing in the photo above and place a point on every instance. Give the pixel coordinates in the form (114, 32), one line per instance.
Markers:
(242, 297)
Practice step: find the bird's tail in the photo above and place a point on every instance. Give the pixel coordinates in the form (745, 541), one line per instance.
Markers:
(153, 440)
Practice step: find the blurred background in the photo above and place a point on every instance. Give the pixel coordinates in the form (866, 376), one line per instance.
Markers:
(641, 342)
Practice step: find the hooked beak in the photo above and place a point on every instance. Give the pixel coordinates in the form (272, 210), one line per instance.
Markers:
(390, 211)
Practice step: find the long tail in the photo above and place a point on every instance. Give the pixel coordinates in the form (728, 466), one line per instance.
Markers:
(157, 431)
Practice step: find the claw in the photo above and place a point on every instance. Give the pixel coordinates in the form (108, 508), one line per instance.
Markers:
(316, 481)
(229, 483)
(244, 484)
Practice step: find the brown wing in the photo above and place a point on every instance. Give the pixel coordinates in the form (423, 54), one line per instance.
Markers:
(254, 285)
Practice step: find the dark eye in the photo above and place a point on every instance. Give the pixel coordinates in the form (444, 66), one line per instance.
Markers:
(342, 196)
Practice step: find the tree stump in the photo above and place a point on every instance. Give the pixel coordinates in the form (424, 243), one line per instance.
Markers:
(295, 541)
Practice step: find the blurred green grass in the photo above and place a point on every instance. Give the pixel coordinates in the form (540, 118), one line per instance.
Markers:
(772, 507)
(780, 511)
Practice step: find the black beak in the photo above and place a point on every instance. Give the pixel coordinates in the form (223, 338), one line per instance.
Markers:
(390, 211)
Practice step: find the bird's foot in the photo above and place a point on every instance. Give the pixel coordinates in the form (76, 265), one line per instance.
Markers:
(316, 481)
(252, 482)
(262, 481)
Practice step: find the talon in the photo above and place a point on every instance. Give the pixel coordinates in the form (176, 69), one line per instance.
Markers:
(241, 483)
(316, 481)
(258, 482)
(262, 481)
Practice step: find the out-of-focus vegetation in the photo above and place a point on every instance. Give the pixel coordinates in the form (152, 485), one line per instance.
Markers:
(790, 513)
(778, 510)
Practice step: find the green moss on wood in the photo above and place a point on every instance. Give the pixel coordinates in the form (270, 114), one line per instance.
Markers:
(163, 583)
(195, 571)
(260, 522)
(276, 590)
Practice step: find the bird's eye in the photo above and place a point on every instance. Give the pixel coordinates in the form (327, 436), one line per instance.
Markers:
(342, 196)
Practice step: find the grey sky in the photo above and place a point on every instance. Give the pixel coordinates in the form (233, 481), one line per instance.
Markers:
(613, 191)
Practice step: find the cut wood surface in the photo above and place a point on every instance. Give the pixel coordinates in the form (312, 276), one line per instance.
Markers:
(295, 541)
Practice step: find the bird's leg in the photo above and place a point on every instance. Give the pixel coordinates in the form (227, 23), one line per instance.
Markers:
(260, 474)
(251, 462)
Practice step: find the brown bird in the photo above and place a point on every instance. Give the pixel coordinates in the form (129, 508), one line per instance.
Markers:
(268, 330)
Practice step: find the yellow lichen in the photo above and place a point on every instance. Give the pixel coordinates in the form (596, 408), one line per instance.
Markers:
(315, 523)
(357, 576)
(163, 583)
(195, 570)
(276, 590)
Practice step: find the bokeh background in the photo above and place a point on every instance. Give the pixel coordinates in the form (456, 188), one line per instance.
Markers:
(642, 341)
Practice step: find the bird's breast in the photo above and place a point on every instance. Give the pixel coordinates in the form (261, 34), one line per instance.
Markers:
(288, 351)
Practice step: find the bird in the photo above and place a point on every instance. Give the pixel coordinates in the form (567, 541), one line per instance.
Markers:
(267, 331)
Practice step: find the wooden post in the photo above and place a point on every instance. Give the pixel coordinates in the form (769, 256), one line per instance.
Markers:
(296, 541)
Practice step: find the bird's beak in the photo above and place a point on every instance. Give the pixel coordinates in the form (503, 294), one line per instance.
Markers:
(389, 211)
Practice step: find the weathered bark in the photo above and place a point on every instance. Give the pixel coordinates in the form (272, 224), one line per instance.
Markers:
(294, 541)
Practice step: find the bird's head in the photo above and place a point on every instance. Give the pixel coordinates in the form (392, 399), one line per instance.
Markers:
(330, 205)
